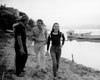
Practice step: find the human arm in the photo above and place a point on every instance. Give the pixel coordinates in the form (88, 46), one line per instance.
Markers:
(46, 36)
(63, 39)
(34, 34)
(48, 42)
(20, 44)
(18, 33)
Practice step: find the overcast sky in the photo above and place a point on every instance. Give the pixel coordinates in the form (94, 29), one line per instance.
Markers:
(65, 12)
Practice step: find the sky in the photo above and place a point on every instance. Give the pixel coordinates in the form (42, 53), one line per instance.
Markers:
(70, 13)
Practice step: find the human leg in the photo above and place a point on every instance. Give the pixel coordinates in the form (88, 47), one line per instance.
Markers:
(58, 55)
(25, 56)
(17, 60)
(24, 59)
(36, 51)
(53, 55)
(18, 64)
(42, 57)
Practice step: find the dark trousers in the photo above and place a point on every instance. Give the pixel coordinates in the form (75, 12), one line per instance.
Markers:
(55, 54)
(20, 59)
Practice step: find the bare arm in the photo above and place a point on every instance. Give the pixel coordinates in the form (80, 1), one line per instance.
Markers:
(48, 42)
(20, 42)
(33, 36)
(46, 36)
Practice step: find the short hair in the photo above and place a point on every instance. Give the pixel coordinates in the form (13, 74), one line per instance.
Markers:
(23, 18)
(40, 20)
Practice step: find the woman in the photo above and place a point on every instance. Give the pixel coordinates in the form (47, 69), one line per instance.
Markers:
(55, 50)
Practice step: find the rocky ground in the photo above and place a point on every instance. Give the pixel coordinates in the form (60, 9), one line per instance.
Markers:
(68, 70)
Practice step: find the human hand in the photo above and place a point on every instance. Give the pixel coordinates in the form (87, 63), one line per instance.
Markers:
(22, 51)
(36, 39)
(45, 42)
(47, 53)
(61, 46)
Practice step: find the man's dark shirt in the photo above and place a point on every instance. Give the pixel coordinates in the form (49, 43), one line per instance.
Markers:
(56, 39)
(19, 30)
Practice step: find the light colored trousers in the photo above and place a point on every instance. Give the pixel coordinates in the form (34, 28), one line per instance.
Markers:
(39, 49)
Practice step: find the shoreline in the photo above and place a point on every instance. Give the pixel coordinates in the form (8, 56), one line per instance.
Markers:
(68, 69)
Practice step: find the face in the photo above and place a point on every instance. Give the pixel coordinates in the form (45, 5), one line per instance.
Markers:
(26, 21)
(39, 23)
(56, 27)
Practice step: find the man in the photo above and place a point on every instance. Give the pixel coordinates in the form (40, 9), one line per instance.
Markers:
(20, 44)
(40, 38)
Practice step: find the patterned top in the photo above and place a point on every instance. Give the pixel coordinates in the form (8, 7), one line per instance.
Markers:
(40, 34)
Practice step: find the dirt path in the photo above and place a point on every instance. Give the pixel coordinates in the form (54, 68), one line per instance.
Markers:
(68, 69)
(9, 57)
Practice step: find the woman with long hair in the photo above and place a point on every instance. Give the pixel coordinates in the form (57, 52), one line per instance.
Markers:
(55, 37)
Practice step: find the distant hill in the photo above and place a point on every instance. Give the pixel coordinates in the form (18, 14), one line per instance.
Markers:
(82, 27)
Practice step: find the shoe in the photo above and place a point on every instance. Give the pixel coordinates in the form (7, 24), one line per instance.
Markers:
(43, 70)
(54, 78)
(59, 71)
(23, 71)
(20, 74)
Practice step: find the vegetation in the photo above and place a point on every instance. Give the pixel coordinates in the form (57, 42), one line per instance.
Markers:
(8, 16)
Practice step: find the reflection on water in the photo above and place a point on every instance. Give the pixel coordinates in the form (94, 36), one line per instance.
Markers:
(86, 53)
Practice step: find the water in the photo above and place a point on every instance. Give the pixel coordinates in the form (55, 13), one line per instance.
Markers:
(86, 53)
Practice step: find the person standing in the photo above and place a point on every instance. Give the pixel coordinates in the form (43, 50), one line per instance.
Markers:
(40, 39)
(55, 37)
(20, 44)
